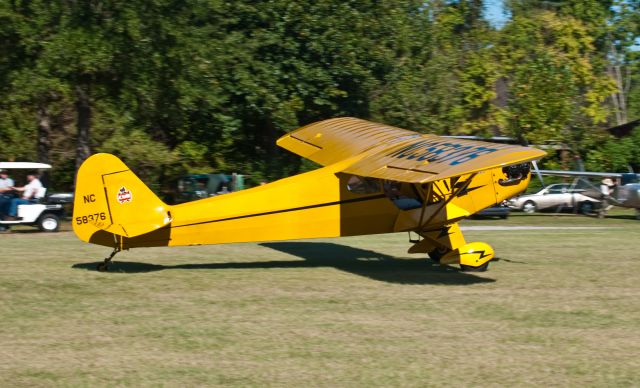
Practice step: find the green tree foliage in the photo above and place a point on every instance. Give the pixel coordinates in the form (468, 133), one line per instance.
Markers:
(444, 82)
(556, 87)
(137, 150)
(203, 85)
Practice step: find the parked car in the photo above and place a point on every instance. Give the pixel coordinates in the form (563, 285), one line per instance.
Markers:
(500, 211)
(557, 196)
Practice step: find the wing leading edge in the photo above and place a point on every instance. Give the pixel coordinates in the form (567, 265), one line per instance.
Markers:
(386, 152)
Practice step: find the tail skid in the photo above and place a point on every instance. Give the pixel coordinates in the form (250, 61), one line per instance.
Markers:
(110, 197)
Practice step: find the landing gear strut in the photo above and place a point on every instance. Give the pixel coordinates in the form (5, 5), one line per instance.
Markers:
(104, 266)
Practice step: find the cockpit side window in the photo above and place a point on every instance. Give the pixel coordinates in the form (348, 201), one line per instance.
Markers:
(363, 185)
(402, 195)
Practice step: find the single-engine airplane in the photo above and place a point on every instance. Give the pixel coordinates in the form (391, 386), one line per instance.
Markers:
(375, 179)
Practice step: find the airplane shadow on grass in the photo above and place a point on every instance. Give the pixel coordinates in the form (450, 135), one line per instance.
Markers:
(362, 262)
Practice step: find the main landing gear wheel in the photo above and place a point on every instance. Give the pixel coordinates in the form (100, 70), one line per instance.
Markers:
(468, 268)
(438, 253)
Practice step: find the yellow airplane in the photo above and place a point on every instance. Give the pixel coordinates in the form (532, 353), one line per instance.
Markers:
(376, 179)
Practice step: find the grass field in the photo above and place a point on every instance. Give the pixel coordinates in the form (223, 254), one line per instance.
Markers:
(559, 307)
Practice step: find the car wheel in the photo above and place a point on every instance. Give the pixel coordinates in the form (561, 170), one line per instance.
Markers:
(586, 207)
(529, 207)
(49, 222)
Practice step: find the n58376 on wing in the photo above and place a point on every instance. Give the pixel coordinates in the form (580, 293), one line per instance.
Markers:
(376, 179)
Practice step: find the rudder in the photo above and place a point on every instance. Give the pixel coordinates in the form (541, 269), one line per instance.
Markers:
(110, 197)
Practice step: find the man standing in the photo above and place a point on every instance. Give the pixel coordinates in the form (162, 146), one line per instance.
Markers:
(31, 192)
(6, 189)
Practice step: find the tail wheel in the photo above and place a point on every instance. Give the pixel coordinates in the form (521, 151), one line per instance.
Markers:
(437, 253)
(529, 207)
(49, 222)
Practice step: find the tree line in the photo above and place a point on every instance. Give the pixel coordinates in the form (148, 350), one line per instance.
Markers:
(176, 87)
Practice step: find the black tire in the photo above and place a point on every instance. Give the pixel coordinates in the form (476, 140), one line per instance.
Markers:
(529, 207)
(437, 253)
(468, 268)
(586, 207)
(49, 222)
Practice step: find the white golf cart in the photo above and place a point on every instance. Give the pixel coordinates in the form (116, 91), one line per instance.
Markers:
(46, 212)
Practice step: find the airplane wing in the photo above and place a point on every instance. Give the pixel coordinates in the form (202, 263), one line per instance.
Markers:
(330, 141)
(391, 153)
(585, 174)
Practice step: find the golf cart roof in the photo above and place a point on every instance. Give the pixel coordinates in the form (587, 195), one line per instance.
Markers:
(24, 165)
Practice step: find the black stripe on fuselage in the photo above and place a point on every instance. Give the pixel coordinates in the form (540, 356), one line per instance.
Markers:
(379, 196)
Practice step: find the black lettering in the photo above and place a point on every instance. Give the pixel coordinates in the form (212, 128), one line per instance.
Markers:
(90, 218)
(89, 198)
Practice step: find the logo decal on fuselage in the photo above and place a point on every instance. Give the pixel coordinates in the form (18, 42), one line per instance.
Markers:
(124, 195)
(441, 151)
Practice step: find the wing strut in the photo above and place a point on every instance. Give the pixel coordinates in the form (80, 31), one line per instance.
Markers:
(451, 197)
(535, 167)
(425, 202)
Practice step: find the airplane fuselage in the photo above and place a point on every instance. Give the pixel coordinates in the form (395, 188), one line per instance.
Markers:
(324, 203)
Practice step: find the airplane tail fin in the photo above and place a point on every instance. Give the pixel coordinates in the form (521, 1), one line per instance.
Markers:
(110, 197)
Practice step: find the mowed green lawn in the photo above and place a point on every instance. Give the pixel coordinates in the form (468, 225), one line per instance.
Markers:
(559, 307)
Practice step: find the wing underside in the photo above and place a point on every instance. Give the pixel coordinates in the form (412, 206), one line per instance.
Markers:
(380, 151)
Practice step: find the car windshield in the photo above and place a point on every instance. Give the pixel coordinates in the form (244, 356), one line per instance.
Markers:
(557, 188)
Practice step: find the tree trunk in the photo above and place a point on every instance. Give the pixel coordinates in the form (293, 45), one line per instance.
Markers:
(44, 134)
(44, 139)
(83, 124)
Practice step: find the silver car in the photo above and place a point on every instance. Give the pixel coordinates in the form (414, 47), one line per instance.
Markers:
(557, 196)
